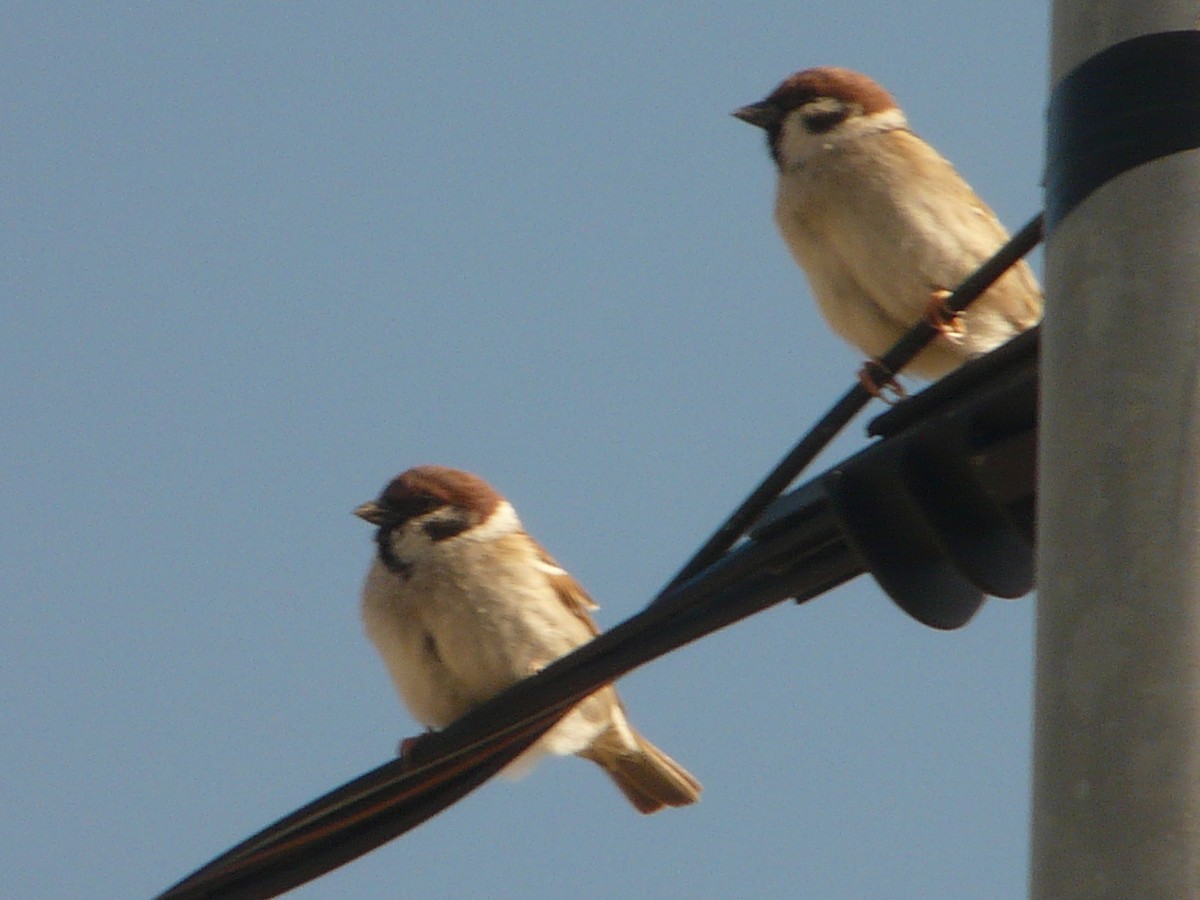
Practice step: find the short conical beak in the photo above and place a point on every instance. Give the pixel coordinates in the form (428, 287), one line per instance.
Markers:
(763, 114)
(371, 512)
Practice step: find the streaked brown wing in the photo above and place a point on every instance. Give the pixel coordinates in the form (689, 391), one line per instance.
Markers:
(573, 596)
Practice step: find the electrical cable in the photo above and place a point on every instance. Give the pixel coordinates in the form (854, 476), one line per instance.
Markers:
(715, 588)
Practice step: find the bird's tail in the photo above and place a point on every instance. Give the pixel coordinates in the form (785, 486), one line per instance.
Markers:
(647, 777)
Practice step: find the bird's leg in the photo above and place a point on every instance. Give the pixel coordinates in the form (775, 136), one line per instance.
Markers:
(947, 321)
(879, 382)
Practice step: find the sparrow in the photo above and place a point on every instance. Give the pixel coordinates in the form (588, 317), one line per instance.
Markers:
(461, 603)
(882, 225)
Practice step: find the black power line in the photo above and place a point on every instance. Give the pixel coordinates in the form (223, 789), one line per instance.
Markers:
(954, 464)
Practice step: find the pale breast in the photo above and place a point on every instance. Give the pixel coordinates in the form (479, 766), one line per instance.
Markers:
(877, 235)
(451, 642)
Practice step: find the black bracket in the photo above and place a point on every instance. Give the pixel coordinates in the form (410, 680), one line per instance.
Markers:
(1132, 103)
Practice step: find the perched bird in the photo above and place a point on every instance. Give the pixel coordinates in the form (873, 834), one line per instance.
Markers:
(882, 225)
(461, 603)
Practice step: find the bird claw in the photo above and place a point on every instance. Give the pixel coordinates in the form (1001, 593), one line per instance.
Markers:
(947, 321)
(409, 745)
(881, 383)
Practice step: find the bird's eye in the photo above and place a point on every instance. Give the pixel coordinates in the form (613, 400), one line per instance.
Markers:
(409, 506)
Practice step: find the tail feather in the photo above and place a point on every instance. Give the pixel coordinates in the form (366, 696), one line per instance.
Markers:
(647, 777)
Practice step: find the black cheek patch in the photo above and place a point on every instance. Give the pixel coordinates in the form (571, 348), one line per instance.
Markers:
(821, 122)
(443, 529)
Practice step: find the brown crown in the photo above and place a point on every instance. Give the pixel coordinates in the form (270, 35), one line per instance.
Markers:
(831, 81)
(428, 487)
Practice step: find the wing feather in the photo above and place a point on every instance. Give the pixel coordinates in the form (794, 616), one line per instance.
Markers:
(572, 594)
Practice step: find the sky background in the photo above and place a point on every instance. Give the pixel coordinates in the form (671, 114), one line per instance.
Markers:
(259, 258)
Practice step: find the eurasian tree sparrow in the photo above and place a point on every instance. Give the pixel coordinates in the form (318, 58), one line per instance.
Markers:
(881, 224)
(461, 603)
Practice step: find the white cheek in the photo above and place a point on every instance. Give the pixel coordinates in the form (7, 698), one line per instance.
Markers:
(503, 520)
(797, 145)
(410, 543)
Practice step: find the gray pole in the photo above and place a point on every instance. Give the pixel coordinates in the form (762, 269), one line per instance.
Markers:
(1116, 798)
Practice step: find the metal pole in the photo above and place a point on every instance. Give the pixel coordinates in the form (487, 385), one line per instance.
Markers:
(1116, 795)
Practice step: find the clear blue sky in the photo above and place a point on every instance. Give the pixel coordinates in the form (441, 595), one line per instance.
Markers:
(257, 259)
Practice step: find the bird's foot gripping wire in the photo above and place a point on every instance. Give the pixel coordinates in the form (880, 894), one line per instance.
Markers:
(409, 745)
(879, 382)
(947, 321)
